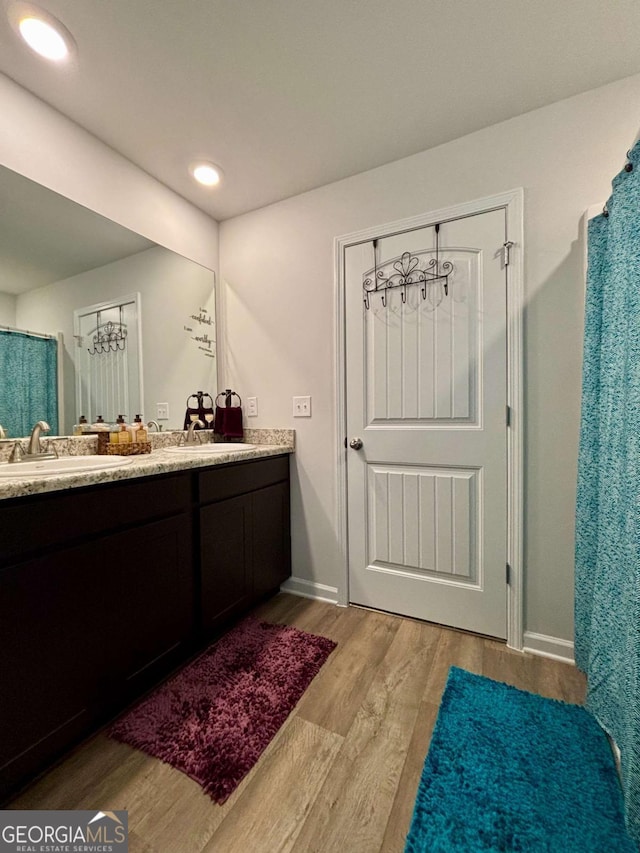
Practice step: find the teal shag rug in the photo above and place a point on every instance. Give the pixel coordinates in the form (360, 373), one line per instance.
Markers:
(512, 771)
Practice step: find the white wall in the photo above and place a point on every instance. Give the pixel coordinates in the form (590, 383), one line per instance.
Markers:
(7, 309)
(278, 312)
(40, 143)
(172, 289)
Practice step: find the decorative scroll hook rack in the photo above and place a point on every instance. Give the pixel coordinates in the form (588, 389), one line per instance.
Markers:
(407, 273)
(108, 338)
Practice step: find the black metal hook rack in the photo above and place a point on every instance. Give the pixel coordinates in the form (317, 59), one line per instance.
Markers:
(407, 273)
(111, 339)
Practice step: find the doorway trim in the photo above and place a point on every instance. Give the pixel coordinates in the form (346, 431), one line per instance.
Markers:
(512, 202)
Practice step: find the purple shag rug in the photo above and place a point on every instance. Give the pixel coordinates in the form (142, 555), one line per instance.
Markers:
(215, 717)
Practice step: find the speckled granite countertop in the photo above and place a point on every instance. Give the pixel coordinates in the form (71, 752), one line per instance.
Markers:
(268, 443)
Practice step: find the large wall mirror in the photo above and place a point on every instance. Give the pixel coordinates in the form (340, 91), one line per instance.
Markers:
(95, 319)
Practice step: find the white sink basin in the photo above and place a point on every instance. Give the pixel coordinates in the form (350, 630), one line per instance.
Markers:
(63, 465)
(209, 448)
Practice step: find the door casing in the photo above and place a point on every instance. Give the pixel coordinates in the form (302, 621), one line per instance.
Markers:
(512, 202)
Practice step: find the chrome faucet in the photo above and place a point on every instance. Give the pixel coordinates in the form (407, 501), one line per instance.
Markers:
(155, 424)
(3, 434)
(33, 450)
(191, 432)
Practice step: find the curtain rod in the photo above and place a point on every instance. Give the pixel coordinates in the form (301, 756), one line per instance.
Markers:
(27, 332)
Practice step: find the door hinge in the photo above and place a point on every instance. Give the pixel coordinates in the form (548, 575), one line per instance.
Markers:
(508, 416)
(508, 574)
(507, 251)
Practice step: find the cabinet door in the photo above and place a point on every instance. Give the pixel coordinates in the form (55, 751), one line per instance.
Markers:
(225, 560)
(48, 660)
(271, 538)
(80, 631)
(146, 612)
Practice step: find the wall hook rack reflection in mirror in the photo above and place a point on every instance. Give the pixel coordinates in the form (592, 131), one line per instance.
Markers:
(407, 272)
(109, 337)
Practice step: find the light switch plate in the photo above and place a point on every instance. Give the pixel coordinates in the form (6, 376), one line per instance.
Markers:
(252, 407)
(162, 411)
(302, 407)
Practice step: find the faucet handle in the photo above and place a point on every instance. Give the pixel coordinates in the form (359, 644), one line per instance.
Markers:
(17, 452)
(3, 434)
(52, 446)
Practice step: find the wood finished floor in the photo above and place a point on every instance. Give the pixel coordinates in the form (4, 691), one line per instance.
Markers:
(341, 774)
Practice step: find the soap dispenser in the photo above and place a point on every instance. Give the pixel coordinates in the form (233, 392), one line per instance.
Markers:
(81, 427)
(140, 434)
(114, 432)
(100, 425)
(124, 436)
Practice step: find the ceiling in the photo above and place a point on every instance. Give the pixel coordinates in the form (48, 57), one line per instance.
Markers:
(288, 95)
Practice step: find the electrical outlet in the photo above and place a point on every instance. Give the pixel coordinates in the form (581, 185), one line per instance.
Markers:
(162, 411)
(302, 407)
(252, 407)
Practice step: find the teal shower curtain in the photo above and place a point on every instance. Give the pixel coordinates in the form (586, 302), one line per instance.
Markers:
(28, 382)
(607, 571)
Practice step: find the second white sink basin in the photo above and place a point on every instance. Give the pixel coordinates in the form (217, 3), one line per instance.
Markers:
(63, 465)
(219, 447)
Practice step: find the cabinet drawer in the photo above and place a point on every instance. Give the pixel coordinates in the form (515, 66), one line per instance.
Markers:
(219, 483)
(31, 524)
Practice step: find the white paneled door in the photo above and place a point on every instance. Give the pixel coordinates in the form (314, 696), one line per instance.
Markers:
(426, 378)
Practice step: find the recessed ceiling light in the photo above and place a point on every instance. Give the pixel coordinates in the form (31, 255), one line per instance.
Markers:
(44, 34)
(206, 173)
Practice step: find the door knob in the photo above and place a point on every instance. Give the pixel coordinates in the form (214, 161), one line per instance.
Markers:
(356, 443)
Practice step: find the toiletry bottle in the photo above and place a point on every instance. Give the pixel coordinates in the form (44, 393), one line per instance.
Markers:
(124, 436)
(81, 426)
(114, 432)
(141, 432)
(100, 425)
(134, 426)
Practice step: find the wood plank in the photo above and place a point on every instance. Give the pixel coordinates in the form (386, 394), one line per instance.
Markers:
(358, 794)
(271, 811)
(326, 619)
(503, 664)
(69, 783)
(283, 608)
(336, 694)
(402, 810)
(559, 680)
(455, 648)
(140, 845)
(184, 818)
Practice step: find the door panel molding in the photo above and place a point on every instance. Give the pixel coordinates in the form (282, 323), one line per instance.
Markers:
(434, 502)
(512, 203)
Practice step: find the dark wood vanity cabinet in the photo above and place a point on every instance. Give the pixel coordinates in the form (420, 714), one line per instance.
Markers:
(104, 590)
(245, 544)
(90, 620)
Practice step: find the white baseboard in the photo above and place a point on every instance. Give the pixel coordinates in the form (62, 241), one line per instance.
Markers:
(310, 589)
(548, 647)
